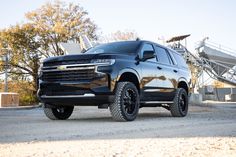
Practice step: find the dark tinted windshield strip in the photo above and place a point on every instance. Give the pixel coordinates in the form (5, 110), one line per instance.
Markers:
(117, 47)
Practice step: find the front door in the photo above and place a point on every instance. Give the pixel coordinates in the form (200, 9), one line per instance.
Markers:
(151, 76)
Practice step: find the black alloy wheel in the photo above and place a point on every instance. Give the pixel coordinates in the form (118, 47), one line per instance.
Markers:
(126, 104)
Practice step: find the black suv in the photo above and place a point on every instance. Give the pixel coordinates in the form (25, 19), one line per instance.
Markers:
(123, 76)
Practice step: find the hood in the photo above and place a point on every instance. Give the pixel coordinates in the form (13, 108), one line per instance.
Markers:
(81, 58)
(70, 58)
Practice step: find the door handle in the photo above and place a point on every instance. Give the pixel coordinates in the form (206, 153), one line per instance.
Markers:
(175, 71)
(159, 68)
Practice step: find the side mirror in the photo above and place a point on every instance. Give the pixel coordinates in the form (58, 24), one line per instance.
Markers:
(148, 55)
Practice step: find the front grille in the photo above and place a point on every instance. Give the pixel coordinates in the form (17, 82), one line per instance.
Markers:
(84, 61)
(69, 74)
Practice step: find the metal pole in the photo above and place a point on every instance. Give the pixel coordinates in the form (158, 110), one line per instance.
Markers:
(6, 73)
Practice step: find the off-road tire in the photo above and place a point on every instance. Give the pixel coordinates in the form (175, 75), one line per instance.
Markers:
(178, 109)
(57, 114)
(119, 107)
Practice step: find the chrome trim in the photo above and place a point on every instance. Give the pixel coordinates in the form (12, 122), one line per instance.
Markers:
(68, 96)
(157, 102)
(152, 90)
(87, 64)
(69, 68)
(73, 67)
(89, 95)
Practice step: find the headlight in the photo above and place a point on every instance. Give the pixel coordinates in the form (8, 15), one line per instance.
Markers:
(103, 61)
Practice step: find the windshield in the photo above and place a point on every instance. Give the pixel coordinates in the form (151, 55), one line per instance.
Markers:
(127, 47)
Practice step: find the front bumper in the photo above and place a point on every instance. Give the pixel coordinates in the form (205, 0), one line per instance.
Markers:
(77, 100)
(80, 93)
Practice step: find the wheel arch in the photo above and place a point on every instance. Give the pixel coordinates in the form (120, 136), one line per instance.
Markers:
(182, 83)
(130, 75)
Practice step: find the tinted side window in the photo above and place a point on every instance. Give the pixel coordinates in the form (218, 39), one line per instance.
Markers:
(148, 47)
(180, 60)
(172, 58)
(162, 55)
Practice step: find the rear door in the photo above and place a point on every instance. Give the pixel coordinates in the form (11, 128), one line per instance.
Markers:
(169, 73)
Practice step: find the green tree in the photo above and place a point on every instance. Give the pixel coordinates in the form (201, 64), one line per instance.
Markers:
(41, 36)
(24, 56)
(60, 22)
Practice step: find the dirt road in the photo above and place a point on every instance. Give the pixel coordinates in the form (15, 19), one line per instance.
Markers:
(206, 131)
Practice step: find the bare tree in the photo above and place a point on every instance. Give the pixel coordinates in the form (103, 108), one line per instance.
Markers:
(120, 36)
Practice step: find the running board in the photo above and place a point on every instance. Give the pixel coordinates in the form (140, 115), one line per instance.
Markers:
(156, 102)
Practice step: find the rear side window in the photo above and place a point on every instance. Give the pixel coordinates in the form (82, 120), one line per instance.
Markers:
(180, 60)
(162, 55)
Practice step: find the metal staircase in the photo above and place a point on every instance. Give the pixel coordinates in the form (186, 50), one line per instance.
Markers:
(217, 63)
(219, 71)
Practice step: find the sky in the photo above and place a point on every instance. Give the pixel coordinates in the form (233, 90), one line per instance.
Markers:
(151, 19)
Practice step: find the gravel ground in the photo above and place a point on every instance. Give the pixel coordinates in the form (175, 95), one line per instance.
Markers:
(208, 130)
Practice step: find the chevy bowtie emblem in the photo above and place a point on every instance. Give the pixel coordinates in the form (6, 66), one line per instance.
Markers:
(62, 67)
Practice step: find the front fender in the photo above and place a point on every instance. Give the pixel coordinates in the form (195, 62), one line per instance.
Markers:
(130, 70)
